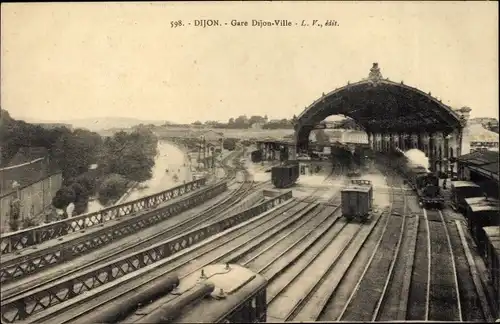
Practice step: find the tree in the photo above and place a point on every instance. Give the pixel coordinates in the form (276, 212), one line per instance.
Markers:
(256, 119)
(81, 194)
(131, 155)
(241, 122)
(63, 198)
(113, 186)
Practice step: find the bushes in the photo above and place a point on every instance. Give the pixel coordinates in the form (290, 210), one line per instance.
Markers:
(64, 197)
(111, 188)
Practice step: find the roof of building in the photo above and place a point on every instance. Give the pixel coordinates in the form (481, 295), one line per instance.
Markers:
(27, 154)
(28, 166)
(477, 133)
(484, 162)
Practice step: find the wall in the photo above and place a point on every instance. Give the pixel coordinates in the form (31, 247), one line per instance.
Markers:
(34, 199)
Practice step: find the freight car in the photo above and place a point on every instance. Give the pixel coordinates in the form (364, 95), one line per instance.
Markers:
(229, 144)
(492, 260)
(357, 200)
(256, 156)
(461, 190)
(284, 176)
(481, 212)
(218, 294)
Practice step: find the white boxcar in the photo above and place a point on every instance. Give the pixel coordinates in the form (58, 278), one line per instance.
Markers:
(356, 202)
(240, 176)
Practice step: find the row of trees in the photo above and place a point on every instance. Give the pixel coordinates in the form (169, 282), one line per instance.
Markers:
(243, 122)
(122, 159)
(90, 165)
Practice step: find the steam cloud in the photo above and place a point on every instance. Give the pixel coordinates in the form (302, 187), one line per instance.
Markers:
(417, 157)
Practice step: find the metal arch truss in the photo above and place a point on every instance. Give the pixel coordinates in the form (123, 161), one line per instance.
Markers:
(21, 307)
(11, 242)
(26, 265)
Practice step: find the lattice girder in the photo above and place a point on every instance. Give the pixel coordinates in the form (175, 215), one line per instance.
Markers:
(14, 241)
(17, 308)
(37, 260)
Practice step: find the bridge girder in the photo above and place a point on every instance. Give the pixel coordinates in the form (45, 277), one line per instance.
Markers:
(380, 106)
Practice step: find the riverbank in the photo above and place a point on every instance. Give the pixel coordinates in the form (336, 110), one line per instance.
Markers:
(171, 169)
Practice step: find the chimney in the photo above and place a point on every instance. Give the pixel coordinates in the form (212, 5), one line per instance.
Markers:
(464, 112)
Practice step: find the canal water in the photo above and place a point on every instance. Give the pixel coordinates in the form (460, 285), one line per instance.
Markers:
(169, 157)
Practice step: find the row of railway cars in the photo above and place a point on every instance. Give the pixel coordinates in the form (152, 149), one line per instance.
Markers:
(483, 220)
(219, 293)
(491, 254)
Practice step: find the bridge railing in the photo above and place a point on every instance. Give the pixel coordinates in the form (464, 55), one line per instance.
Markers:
(34, 301)
(13, 241)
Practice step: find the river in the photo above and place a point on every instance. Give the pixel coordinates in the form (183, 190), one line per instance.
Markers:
(169, 157)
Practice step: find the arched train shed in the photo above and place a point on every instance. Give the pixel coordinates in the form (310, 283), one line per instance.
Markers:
(392, 114)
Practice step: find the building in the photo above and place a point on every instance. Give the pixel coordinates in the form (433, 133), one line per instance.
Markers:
(482, 168)
(29, 181)
(478, 138)
(210, 136)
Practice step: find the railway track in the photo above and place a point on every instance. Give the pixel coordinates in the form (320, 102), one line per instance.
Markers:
(453, 292)
(24, 264)
(279, 220)
(211, 214)
(321, 267)
(437, 280)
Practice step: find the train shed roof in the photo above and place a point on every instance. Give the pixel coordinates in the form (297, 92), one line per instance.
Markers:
(384, 106)
(485, 163)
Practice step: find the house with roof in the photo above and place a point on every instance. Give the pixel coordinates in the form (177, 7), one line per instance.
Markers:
(28, 182)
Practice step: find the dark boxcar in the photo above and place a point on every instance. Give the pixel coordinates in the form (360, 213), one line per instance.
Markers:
(492, 259)
(284, 176)
(229, 144)
(461, 190)
(481, 212)
(256, 156)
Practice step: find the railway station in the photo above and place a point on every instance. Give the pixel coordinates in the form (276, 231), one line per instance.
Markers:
(382, 243)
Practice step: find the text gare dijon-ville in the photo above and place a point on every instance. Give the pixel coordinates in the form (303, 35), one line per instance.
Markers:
(210, 23)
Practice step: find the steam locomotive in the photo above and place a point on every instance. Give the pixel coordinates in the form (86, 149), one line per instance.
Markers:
(421, 180)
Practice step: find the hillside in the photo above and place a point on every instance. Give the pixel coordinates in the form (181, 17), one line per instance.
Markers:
(97, 124)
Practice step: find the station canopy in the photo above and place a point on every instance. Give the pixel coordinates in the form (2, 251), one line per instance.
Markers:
(382, 106)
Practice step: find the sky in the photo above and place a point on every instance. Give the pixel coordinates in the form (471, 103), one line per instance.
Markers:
(62, 61)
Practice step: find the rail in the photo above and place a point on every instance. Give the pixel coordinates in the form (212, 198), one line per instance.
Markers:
(15, 266)
(13, 241)
(23, 306)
